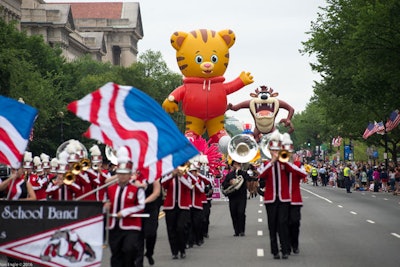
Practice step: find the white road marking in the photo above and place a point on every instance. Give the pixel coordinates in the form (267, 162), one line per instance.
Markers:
(396, 235)
(259, 219)
(260, 252)
(370, 221)
(373, 196)
(261, 205)
(321, 197)
(259, 211)
(385, 199)
(340, 206)
(353, 212)
(259, 232)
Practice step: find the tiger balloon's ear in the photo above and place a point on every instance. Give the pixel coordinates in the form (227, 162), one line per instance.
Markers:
(177, 39)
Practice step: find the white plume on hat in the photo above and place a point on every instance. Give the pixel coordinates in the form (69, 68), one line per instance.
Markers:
(123, 155)
(95, 150)
(71, 147)
(63, 157)
(54, 162)
(275, 140)
(27, 156)
(37, 161)
(287, 142)
(44, 157)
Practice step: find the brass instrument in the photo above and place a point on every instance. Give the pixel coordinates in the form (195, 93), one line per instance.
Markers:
(237, 183)
(242, 148)
(69, 177)
(86, 164)
(284, 156)
(77, 168)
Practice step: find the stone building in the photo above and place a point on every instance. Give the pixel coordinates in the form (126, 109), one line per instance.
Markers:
(107, 31)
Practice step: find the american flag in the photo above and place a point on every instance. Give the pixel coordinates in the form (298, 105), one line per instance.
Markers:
(125, 116)
(369, 130)
(337, 141)
(393, 121)
(376, 127)
(16, 123)
(380, 128)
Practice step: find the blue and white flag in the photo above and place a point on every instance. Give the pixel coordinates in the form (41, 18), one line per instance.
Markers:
(16, 123)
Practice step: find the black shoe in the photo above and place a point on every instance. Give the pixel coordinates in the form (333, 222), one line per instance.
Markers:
(150, 259)
(285, 256)
(236, 235)
(198, 243)
(241, 234)
(349, 192)
(175, 257)
(276, 256)
(206, 236)
(296, 251)
(183, 255)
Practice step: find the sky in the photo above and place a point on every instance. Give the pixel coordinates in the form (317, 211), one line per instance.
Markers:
(269, 35)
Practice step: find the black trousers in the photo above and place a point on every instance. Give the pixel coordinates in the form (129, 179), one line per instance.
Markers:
(206, 217)
(148, 234)
(124, 246)
(294, 225)
(278, 225)
(347, 183)
(177, 221)
(237, 208)
(196, 219)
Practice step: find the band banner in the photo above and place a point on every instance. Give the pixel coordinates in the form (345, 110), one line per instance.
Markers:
(52, 233)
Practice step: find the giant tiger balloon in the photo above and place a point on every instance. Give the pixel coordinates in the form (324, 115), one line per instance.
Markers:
(203, 57)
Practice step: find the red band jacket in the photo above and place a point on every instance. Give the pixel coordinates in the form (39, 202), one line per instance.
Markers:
(132, 202)
(182, 197)
(276, 184)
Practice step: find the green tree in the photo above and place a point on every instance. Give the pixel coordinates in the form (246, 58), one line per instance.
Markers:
(356, 43)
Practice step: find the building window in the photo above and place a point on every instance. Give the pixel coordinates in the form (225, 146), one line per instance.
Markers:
(116, 52)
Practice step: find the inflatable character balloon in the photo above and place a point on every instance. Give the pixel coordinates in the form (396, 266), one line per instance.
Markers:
(203, 57)
(264, 107)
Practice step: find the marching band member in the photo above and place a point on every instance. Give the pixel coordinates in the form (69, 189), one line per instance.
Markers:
(238, 198)
(17, 186)
(53, 189)
(64, 187)
(39, 179)
(278, 176)
(153, 203)
(208, 190)
(296, 175)
(125, 199)
(177, 210)
(97, 175)
(46, 164)
(82, 179)
(196, 209)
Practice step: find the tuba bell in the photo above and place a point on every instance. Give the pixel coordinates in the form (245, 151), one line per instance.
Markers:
(111, 155)
(264, 146)
(242, 148)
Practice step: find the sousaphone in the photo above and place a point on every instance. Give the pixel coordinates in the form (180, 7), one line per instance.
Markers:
(242, 148)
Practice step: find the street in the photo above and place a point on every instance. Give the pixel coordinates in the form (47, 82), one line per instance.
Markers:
(337, 229)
